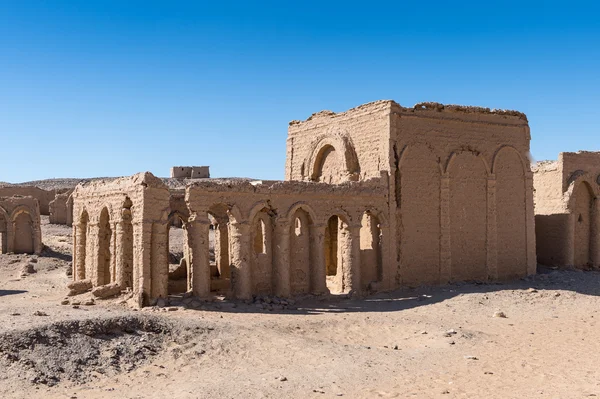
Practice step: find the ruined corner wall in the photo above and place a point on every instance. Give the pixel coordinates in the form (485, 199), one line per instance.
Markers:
(119, 231)
(61, 209)
(568, 211)
(332, 148)
(462, 192)
(20, 227)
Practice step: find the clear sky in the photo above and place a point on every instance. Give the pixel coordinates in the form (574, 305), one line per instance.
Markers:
(108, 88)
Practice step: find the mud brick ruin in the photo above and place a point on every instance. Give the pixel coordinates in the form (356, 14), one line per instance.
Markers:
(20, 230)
(567, 210)
(374, 198)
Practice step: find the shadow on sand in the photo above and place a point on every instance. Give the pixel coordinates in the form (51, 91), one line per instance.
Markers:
(583, 282)
(11, 292)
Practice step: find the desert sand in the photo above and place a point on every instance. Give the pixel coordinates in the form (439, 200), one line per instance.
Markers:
(537, 337)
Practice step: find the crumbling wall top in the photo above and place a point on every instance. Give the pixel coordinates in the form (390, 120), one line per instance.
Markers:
(419, 107)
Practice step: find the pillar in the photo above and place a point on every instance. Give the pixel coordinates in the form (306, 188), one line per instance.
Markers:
(445, 246)
(352, 280)
(318, 273)
(281, 258)
(120, 253)
(595, 234)
(222, 250)
(239, 241)
(530, 228)
(142, 262)
(94, 248)
(492, 232)
(80, 247)
(199, 262)
(160, 260)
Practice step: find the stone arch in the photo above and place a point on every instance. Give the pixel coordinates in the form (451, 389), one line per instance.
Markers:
(467, 173)
(582, 208)
(305, 207)
(261, 239)
(371, 249)
(503, 149)
(473, 153)
(337, 252)
(24, 240)
(302, 268)
(4, 228)
(332, 158)
(104, 255)
(418, 194)
(511, 215)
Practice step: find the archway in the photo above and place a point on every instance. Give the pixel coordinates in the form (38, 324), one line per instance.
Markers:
(370, 250)
(300, 253)
(105, 275)
(511, 215)
(468, 217)
(262, 253)
(337, 251)
(582, 211)
(23, 233)
(177, 255)
(328, 166)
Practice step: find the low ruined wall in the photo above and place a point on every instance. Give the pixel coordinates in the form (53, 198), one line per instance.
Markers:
(44, 197)
(20, 227)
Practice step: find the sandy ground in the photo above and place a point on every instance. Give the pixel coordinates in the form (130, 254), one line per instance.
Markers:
(429, 343)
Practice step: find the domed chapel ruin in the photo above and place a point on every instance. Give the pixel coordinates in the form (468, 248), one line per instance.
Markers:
(374, 198)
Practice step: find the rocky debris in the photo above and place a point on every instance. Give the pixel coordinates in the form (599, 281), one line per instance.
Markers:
(450, 333)
(77, 349)
(27, 269)
(271, 303)
(64, 302)
(89, 302)
(500, 314)
(69, 269)
(107, 290)
(470, 357)
(79, 287)
(40, 313)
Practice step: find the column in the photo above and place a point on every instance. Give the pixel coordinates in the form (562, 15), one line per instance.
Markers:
(281, 258)
(595, 234)
(240, 260)
(198, 231)
(445, 245)
(142, 261)
(222, 249)
(352, 280)
(94, 248)
(160, 260)
(79, 251)
(492, 233)
(530, 228)
(119, 254)
(318, 273)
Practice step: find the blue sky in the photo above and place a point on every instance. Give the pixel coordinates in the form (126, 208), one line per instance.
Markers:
(108, 88)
